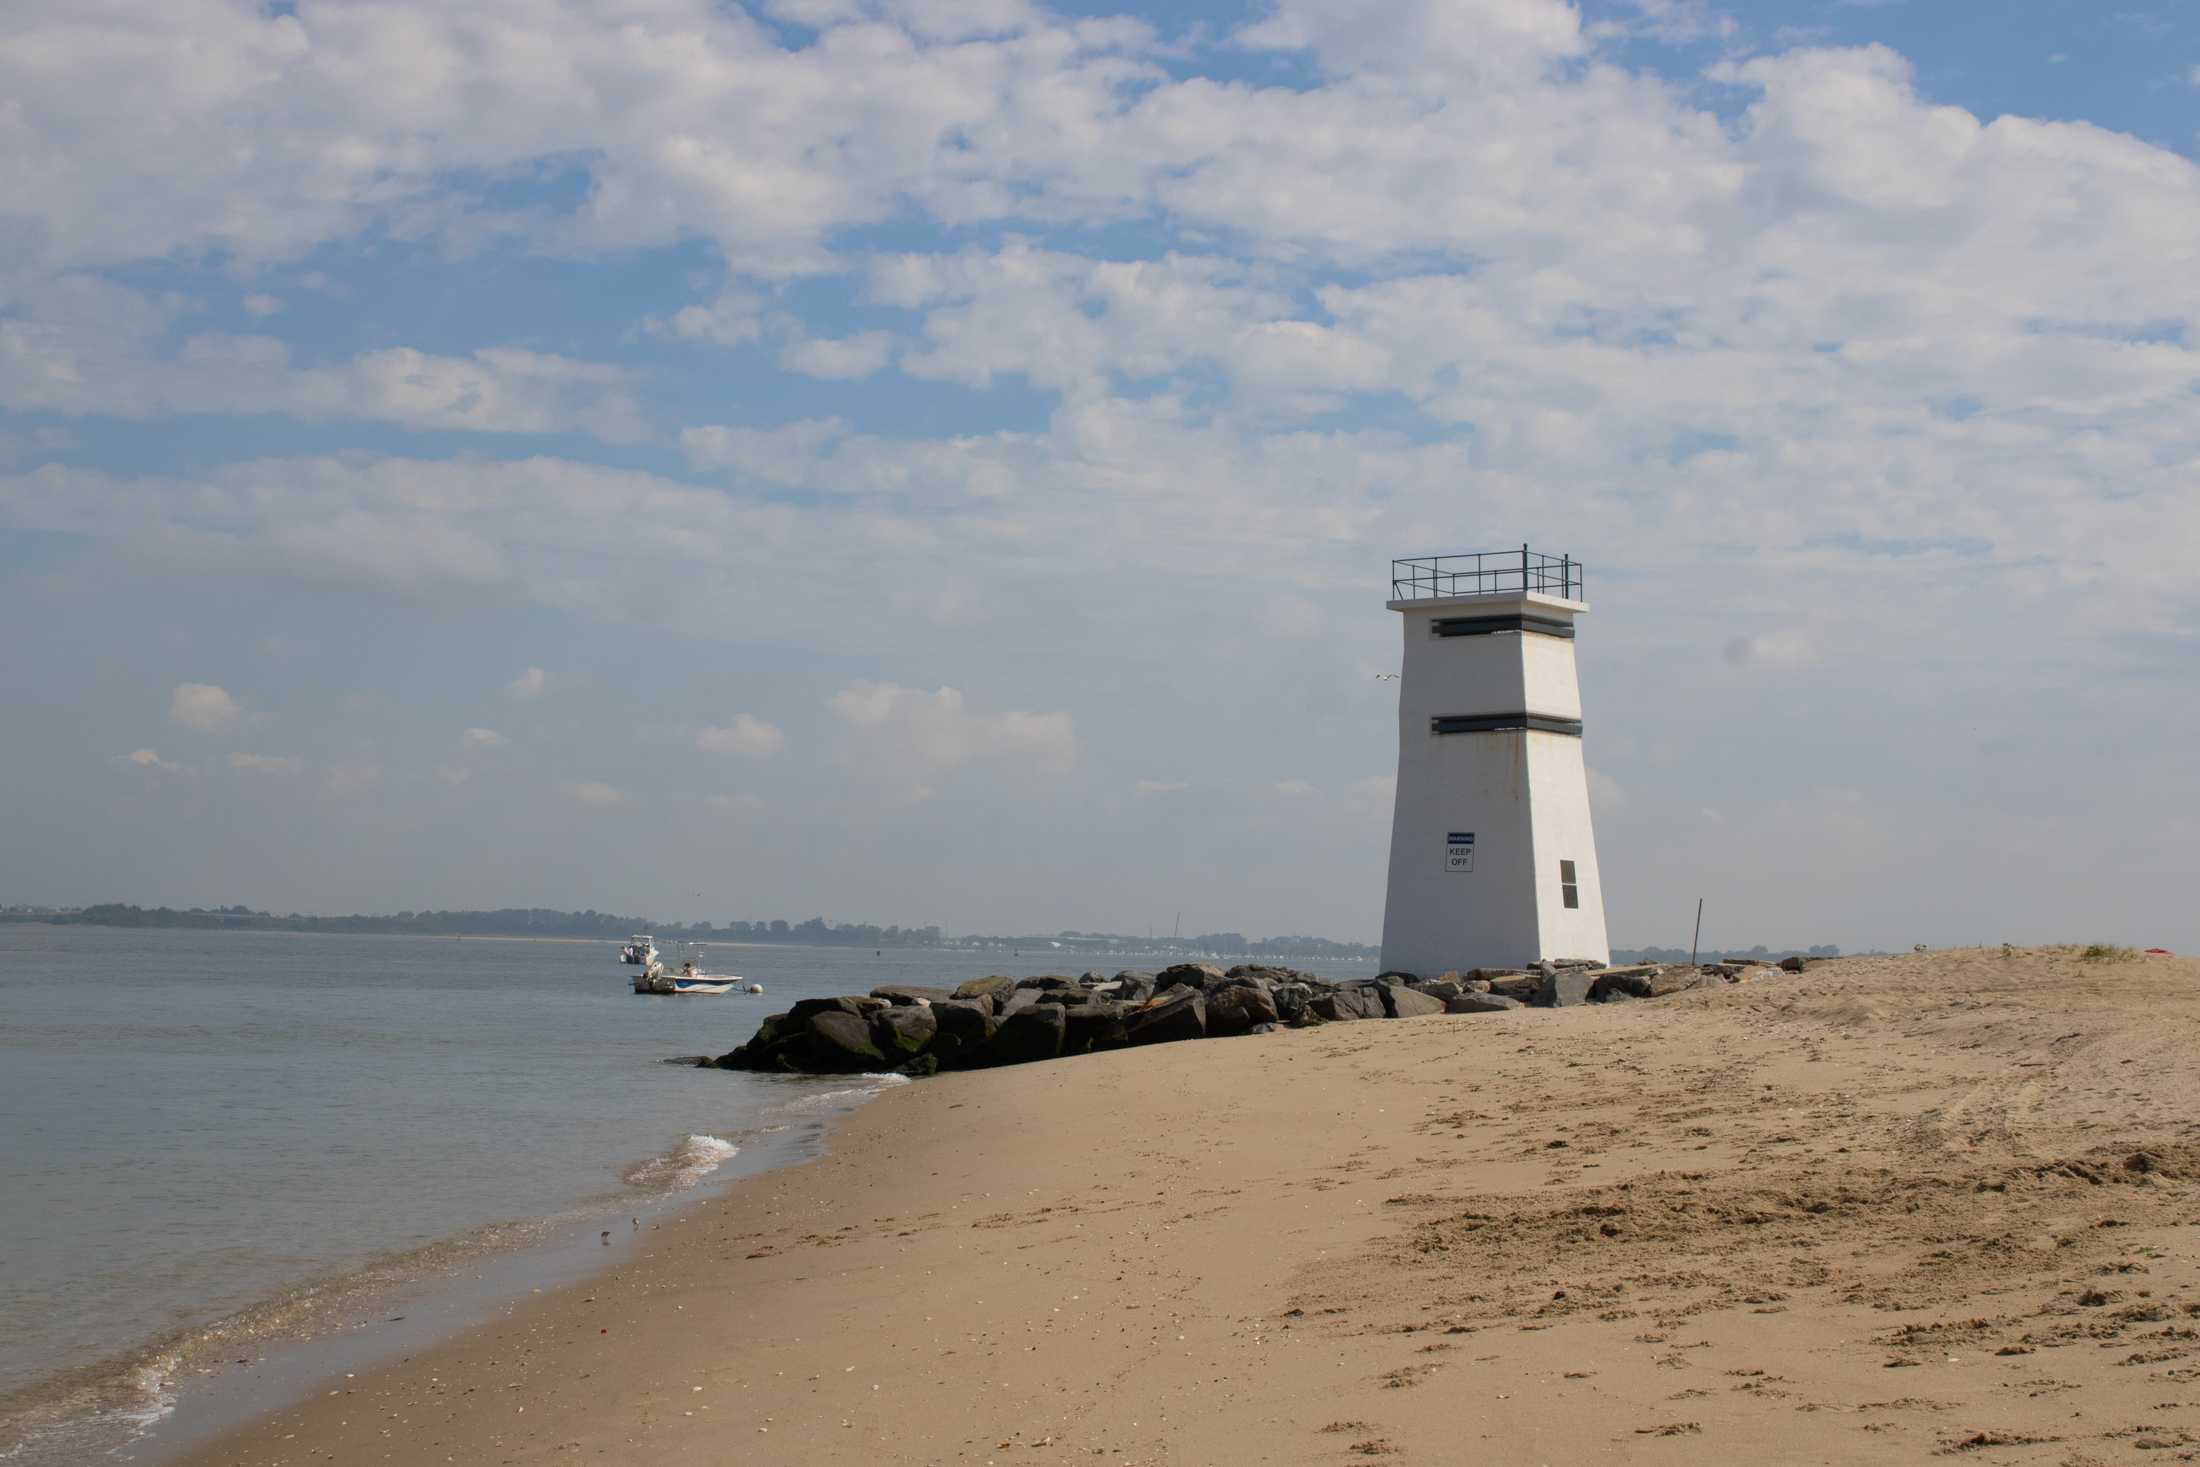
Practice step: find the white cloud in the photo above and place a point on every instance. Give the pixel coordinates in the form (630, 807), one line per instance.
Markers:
(1441, 38)
(265, 763)
(747, 735)
(351, 779)
(529, 684)
(1145, 787)
(300, 127)
(92, 351)
(148, 759)
(1780, 651)
(843, 359)
(485, 738)
(593, 794)
(203, 707)
(734, 318)
(935, 732)
(1069, 322)
(261, 304)
(785, 454)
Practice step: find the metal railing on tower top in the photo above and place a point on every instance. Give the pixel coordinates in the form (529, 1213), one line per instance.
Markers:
(1485, 573)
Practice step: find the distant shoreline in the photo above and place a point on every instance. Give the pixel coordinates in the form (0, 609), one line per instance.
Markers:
(1122, 946)
(1035, 948)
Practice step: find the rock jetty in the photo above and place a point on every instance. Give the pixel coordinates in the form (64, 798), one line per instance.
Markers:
(912, 1029)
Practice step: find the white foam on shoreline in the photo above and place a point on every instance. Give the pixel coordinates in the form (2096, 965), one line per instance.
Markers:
(80, 1430)
(837, 1099)
(683, 1166)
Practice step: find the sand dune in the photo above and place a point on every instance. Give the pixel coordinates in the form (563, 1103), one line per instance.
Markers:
(1886, 1210)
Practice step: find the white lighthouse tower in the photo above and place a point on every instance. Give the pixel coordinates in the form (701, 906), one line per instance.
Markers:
(1492, 859)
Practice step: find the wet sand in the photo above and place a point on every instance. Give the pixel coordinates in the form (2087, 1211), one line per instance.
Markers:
(1885, 1210)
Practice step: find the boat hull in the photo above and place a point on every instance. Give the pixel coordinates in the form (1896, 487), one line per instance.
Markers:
(670, 987)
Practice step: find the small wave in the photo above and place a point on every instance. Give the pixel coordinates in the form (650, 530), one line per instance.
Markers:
(84, 1414)
(683, 1166)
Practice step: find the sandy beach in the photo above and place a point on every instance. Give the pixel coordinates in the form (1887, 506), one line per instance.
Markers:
(1891, 1208)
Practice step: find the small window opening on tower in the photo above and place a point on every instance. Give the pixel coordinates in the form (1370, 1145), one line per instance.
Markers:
(1567, 887)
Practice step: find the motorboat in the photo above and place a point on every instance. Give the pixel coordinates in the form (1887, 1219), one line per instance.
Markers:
(689, 979)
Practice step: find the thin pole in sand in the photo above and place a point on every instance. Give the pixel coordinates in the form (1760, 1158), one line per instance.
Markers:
(1693, 942)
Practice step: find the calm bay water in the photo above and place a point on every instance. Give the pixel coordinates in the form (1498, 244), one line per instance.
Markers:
(193, 1122)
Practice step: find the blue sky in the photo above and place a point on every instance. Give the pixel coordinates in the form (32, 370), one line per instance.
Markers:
(927, 463)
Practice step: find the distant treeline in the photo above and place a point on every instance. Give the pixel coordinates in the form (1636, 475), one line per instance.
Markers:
(503, 922)
(815, 932)
(1229, 944)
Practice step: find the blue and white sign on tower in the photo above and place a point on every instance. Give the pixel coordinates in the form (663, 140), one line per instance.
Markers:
(1459, 851)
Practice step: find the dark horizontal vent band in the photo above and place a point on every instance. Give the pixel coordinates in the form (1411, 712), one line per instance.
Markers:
(1483, 626)
(1503, 723)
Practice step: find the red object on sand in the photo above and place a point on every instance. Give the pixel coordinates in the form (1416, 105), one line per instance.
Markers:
(2161, 952)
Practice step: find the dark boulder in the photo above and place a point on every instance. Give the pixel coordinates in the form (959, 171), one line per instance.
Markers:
(1681, 980)
(905, 1030)
(1410, 1003)
(1563, 988)
(1397, 975)
(1522, 986)
(1290, 1000)
(1438, 988)
(1133, 986)
(1028, 1034)
(1795, 963)
(965, 1027)
(809, 1008)
(911, 993)
(778, 1044)
(1357, 1002)
(1179, 1014)
(1611, 986)
(840, 1043)
(1481, 1003)
(1236, 1008)
(1066, 997)
(771, 1031)
(1017, 1001)
(1194, 975)
(992, 987)
(1049, 981)
(1099, 1025)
